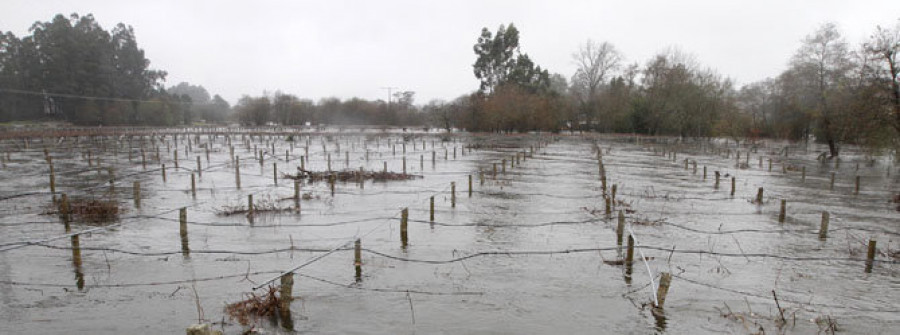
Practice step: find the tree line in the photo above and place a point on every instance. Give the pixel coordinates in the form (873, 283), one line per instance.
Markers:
(831, 92)
(70, 68)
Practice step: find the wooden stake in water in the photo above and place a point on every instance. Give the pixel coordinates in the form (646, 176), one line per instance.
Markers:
(856, 189)
(629, 253)
(803, 174)
(404, 238)
(287, 291)
(250, 205)
(357, 259)
(781, 215)
(823, 227)
(237, 172)
(831, 187)
(608, 208)
(870, 256)
(470, 186)
(717, 180)
(193, 186)
(164, 173)
(704, 172)
(620, 228)
(199, 168)
(182, 220)
(732, 186)
(431, 209)
(136, 194)
(664, 280)
(275, 173)
(64, 210)
(52, 180)
(453, 194)
(759, 196)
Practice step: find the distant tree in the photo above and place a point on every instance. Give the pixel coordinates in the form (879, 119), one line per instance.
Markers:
(254, 111)
(595, 62)
(84, 70)
(495, 56)
(822, 64)
(884, 48)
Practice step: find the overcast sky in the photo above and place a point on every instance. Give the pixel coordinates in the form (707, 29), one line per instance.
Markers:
(316, 49)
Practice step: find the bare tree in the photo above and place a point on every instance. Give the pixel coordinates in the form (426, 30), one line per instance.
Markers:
(596, 62)
(884, 47)
(824, 61)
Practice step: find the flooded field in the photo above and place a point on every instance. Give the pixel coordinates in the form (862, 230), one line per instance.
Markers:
(525, 245)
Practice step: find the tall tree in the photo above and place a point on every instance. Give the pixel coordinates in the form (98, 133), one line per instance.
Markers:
(884, 47)
(595, 62)
(495, 56)
(823, 62)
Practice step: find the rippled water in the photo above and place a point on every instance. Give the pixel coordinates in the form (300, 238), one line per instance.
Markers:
(726, 254)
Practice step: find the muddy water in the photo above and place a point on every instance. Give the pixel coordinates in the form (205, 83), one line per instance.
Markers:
(727, 254)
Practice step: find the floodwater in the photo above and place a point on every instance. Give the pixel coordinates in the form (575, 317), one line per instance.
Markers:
(543, 253)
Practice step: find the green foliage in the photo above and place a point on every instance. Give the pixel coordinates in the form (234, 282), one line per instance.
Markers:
(75, 57)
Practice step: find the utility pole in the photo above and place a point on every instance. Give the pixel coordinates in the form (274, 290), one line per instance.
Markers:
(389, 96)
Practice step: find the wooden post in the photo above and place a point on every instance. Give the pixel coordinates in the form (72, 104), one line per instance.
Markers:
(831, 187)
(193, 186)
(870, 256)
(404, 165)
(717, 180)
(64, 209)
(357, 259)
(52, 180)
(664, 280)
(770, 165)
(781, 215)
(629, 253)
(275, 173)
(287, 291)
(481, 177)
(136, 194)
(470, 186)
(404, 238)
(823, 227)
(250, 205)
(199, 168)
(803, 174)
(431, 209)
(385, 166)
(182, 220)
(503, 166)
(759, 196)
(612, 194)
(176, 159)
(164, 173)
(347, 159)
(453, 194)
(237, 171)
(620, 228)
(732, 186)
(704, 172)
(608, 209)
(856, 189)
(329, 163)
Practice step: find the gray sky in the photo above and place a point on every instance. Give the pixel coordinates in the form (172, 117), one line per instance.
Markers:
(316, 49)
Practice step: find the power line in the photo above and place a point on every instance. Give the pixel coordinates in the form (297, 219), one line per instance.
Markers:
(86, 97)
